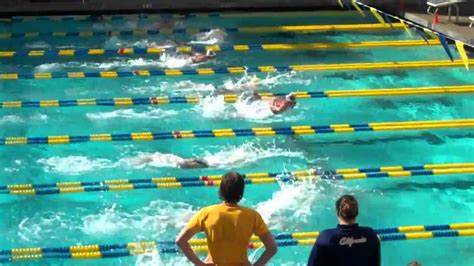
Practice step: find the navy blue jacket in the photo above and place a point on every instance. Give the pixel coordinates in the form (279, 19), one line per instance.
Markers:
(346, 245)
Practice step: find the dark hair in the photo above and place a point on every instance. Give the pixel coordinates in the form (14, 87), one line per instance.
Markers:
(232, 186)
(347, 207)
(414, 263)
(200, 162)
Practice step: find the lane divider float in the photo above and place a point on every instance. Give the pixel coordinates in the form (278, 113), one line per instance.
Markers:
(236, 70)
(166, 16)
(126, 51)
(246, 132)
(232, 98)
(247, 30)
(168, 247)
(250, 178)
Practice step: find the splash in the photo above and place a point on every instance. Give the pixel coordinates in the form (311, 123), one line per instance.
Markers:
(73, 165)
(214, 107)
(153, 221)
(252, 82)
(245, 154)
(179, 88)
(189, 86)
(49, 67)
(253, 110)
(149, 113)
(39, 117)
(229, 157)
(41, 226)
(171, 60)
(38, 45)
(149, 222)
(214, 36)
(292, 205)
(155, 159)
(11, 119)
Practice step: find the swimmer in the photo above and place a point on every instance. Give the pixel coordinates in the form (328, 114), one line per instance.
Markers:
(193, 163)
(278, 104)
(197, 58)
(160, 160)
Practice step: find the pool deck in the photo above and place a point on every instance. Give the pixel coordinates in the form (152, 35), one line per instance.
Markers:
(458, 30)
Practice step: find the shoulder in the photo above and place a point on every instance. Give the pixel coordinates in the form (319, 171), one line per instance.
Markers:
(368, 231)
(249, 211)
(326, 236)
(209, 209)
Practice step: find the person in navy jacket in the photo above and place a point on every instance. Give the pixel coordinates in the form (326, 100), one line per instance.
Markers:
(349, 244)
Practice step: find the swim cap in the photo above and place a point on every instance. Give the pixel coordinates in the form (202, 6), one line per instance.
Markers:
(290, 97)
(254, 79)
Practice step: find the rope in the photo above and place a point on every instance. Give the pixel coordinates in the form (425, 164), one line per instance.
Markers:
(432, 33)
(235, 70)
(216, 48)
(143, 32)
(168, 247)
(232, 98)
(251, 178)
(173, 16)
(247, 132)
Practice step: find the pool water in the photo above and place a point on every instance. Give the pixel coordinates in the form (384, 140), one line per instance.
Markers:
(121, 217)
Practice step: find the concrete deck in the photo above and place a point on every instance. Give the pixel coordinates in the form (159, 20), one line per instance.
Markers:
(459, 31)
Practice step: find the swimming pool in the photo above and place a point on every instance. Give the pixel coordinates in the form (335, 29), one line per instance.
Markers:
(158, 214)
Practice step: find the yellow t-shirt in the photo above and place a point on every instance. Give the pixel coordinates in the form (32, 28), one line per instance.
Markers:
(228, 231)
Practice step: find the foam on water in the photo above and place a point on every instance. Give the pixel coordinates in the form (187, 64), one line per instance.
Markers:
(11, 119)
(43, 225)
(156, 159)
(230, 85)
(148, 223)
(259, 111)
(226, 157)
(214, 36)
(151, 222)
(165, 87)
(73, 165)
(172, 60)
(149, 113)
(247, 153)
(14, 119)
(38, 45)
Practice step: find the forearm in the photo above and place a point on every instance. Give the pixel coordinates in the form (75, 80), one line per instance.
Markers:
(189, 253)
(265, 258)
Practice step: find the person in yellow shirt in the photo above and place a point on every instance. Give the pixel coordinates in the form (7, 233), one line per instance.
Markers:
(228, 228)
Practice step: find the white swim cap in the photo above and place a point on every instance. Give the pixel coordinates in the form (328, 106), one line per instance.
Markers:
(290, 97)
(254, 79)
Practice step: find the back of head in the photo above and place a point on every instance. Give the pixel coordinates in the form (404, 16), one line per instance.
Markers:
(200, 163)
(414, 263)
(347, 208)
(291, 99)
(232, 186)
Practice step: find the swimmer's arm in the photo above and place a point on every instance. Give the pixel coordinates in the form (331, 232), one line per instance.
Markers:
(270, 249)
(183, 244)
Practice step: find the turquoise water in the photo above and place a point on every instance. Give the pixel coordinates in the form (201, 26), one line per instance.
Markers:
(63, 220)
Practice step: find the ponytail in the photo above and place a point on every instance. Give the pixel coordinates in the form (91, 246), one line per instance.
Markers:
(347, 207)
